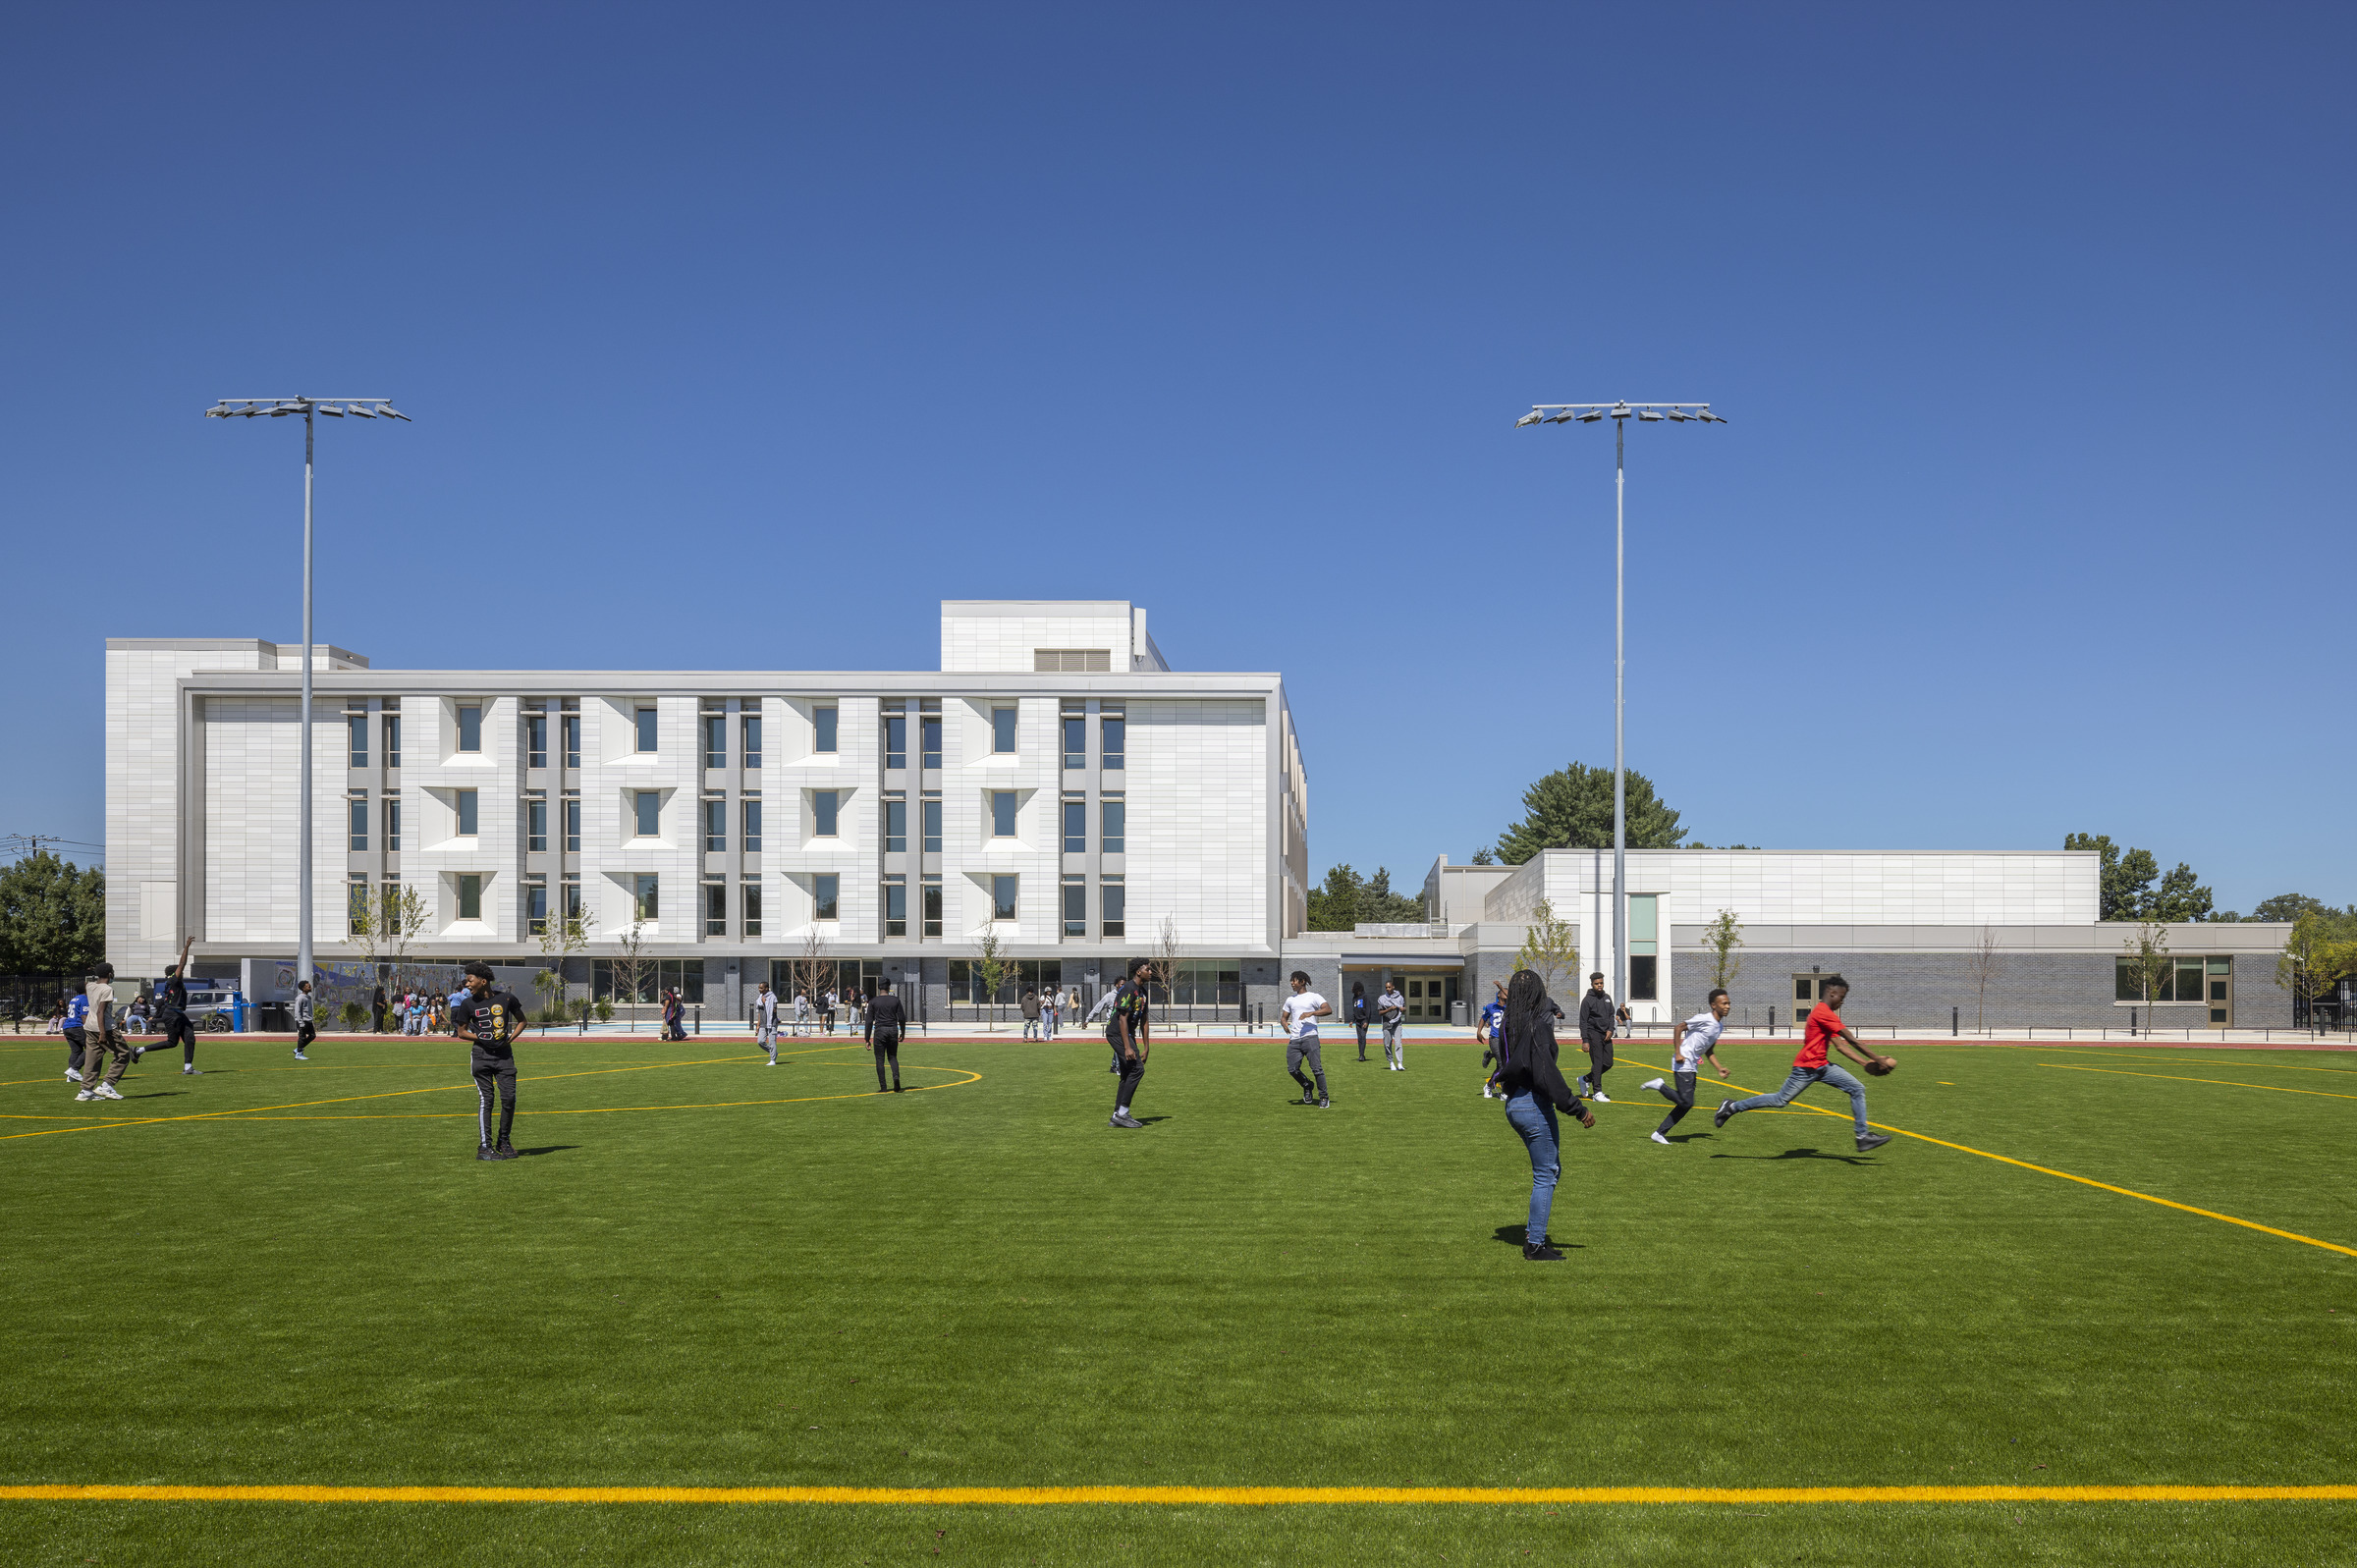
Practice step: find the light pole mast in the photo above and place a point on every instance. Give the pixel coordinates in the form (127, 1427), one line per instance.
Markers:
(1555, 414)
(308, 407)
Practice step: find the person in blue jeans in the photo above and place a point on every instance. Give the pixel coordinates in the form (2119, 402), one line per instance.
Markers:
(1534, 1090)
(1825, 1033)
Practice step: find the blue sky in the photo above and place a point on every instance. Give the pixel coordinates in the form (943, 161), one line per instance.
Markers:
(739, 337)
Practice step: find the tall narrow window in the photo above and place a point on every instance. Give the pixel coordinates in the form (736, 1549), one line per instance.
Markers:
(1074, 724)
(535, 821)
(469, 802)
(752, 825)
(1114, 740)
(932, 805)
(825, 729)
(535, 738)
(896, 823)
(1076, 906)
(826, 890)
(358, 724)
(1075, 827)
(825, 812)
(896, 906)
(1001, 896)
(572, 898)
(571, 725)
(647, 729)
(1113, 907)
(1114, 839)
(357, 903)
(750, 890)
(752, 740)
(716, 908)
(357, 809)
(928, 723)
(647, 808)
(932, 892)
(392, 740)
(1001, 813)
(716, 824)
(471, 895)
(535, 906)
(470, 726)
(1001, 730)
(716, 741)
(392, 823)
(573, 822)
(646, 896)
(1644, 945)
(896, 739)
(387, 904)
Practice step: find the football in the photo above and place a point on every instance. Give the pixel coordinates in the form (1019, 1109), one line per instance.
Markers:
(1882, 1069)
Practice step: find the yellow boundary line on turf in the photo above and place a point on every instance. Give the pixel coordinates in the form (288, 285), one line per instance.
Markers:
(1021, 1496)
(2170, 1077)
(2238, 1066)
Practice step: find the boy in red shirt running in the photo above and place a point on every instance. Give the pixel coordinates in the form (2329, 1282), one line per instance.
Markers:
(1825, 1030)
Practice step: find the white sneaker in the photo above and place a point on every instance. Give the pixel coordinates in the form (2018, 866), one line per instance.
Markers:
(772, 1061)
(87, 1094)
(107, 1091)
(1658, 1138)
(1601, 1098)
(188, 1070)
(1651, 1083)
(73, 1073)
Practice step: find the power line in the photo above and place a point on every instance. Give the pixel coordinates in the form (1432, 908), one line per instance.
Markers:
(29, 843)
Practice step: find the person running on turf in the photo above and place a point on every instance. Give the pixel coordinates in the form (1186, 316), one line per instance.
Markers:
(1301, 1012)
(305, 1034)
(172, 1012)
(1597, 1021)
(1392, 1006)
(1825, 1029)
(1489, 1030)
(1700, 1044)
(1359, 1015)
(102, 1040)
(1126, 1030)
(491, 1019)
(765, 1021)
(1534, 1090)
(886, 1017)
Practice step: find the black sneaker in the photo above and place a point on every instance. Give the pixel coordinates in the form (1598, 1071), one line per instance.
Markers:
(1540, 1252)
(505, 1151)
(896, 1086)
(136, 1051)
(1726, 1109)
(485, 1153)
(1873, 1141)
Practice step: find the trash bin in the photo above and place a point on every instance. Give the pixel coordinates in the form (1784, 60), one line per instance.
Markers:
(1456, 1012)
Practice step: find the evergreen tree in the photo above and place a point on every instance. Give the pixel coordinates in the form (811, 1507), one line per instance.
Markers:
(1572, 809)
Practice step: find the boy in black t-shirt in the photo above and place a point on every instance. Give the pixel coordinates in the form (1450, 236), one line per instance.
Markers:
(492, 1019)
(1126, 1032)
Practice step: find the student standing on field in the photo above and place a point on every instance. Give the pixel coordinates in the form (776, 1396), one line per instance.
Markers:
(305, 1034)
(1699, 1044)
(1126, 1032)
(1301, 1012)
(99, 1033)
(887, 1018)
(1393, 1007)
(1359, 1015)
(1825, 1029)
(765, 1020)
(1534, 1092)
(1597, 1021)
(491, 1019)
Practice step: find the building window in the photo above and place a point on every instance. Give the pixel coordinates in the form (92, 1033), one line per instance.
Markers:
(1114, 839)
(647, 805)
(1001, 896)
(2182, 983)
(471, 895)
(896, 906)
(1072, 660)
(752, 740)
(647, 729)
(750, 890)
(387, 904)
(752, 825)
(470, 726)
(826, 808)
(1208, 983)
(826, 890)
(928, 727)
(932, 805)
(896, 736)
(356, 911)
(827, 729)
(1113, 907)
(896, 823)
(1644, 948)
(570, 724)
(357, 809)
(1075, 827)
(1002, 730)
(358, 724)
(535, 821)
(716, 824)
(573, 822)
(392, 823)
(535, 906)
(1076, 906)
(392, 740)
(716, 741)
(932, 895)
(469, 812)
(1114, 736)
(646, 897)
(535, 736)
(572, 898)
(1001, 813)
(716, 908)
(1073, 722)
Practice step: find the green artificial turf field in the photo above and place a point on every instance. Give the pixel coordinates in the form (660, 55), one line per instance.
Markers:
(712, 1274)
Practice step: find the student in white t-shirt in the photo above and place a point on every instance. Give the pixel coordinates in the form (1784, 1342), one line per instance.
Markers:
(1301, 1012)
(1699, 1044)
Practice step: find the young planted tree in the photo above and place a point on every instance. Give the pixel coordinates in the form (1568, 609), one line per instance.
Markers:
(812, 969)
(2150, 961)
(634, 970)
(1723, 936)
(1551, 950)
(995, 966)
(1166, 960)
(560, 936)
(1987, 960)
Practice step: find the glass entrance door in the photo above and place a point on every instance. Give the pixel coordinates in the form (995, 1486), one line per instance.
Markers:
(1428, 996)
(1807, 992)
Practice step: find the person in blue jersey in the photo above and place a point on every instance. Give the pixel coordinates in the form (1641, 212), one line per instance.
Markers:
(1489, 1030)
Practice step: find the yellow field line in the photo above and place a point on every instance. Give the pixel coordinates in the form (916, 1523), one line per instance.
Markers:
(2170, 1077)
(1032, 1497)
(2238, 1066)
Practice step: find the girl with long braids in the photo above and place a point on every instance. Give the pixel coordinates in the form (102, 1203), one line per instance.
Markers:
(1534, 1090)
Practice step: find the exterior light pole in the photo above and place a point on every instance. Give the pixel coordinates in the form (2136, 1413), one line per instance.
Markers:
(308, 407)
(1588, 414)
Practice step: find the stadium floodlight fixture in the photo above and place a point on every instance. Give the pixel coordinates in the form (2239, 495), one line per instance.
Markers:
(279, 408)
(1680, 412)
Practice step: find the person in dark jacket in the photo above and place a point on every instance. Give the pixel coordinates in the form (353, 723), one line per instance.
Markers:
(1597, 1021)
(1359, 1015)
(1534, 1090)
(887, 1017)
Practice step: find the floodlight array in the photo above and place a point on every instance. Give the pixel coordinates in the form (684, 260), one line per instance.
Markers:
(280, 407)
(1587, 413)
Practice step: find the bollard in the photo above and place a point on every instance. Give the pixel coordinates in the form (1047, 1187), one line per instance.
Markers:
(699, 1020)
(1954, 1016)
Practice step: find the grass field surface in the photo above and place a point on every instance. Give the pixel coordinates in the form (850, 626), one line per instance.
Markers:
(711, 1273)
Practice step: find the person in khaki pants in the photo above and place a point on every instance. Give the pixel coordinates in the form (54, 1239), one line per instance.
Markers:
(104, 1037)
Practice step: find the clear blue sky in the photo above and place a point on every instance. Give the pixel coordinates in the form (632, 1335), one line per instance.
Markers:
(737, 337)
